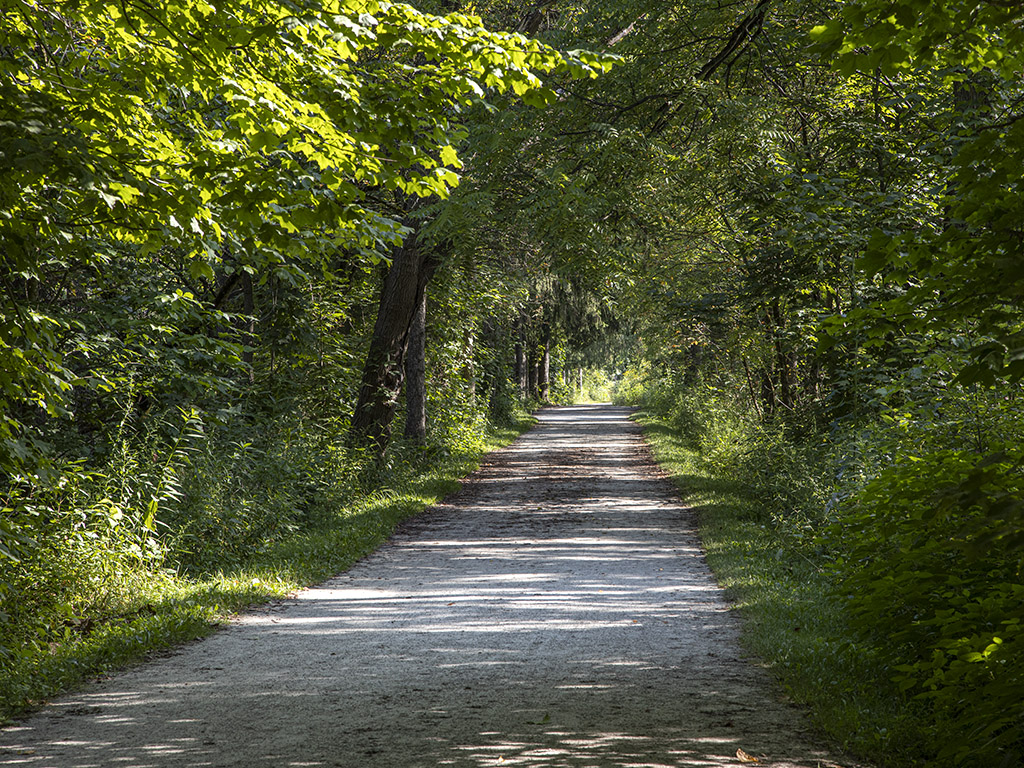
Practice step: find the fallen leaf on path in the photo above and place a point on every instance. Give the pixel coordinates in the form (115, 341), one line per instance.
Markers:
(743, 757)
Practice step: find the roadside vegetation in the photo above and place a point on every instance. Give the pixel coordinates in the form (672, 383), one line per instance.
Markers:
(94, 605)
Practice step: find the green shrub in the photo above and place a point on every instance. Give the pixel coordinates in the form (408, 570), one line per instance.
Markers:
(790, 474)
(931, 573)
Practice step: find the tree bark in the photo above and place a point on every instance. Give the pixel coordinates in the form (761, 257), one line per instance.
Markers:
(249, 338)
(748, 28)
(532, 366)
(469, 369)
(384, 372)
(783, 359)
(416, 374)
(545, 372)
(767, 392)
(750, 386)
(520, 366)
(531, 23)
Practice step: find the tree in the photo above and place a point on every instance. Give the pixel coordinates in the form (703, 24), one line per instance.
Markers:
(413, 265)
(960, 261)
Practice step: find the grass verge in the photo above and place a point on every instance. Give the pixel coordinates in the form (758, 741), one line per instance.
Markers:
(781, 584)
(162, 610)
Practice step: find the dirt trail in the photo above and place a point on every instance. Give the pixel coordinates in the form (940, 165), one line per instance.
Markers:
(556, 612)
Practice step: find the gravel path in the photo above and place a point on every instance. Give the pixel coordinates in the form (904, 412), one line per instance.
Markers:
(556, 612)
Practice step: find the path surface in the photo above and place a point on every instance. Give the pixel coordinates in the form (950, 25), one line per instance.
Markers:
(556, 612)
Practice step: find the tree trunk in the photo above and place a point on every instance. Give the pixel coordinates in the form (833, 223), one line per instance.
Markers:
(469, 369)
(383, 374)
(531, 23)
(520, 367)
(416, 374)
(767, 392)
(249, 338)
(783, 359)
(532, 369)
(545, 372)
(750, 386)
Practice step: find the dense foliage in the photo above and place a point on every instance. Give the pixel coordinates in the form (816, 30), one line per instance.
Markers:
(243, 240)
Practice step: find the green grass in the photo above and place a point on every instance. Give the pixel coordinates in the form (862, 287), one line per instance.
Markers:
(780, 583)
(159, 610)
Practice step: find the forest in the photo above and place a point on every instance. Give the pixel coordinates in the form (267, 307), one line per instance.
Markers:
(266, 263)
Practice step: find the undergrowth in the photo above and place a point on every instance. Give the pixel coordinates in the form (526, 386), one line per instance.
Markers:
(878, 564)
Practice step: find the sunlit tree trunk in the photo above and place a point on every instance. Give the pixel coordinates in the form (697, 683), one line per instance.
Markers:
(469, 369)
(520, 363)
(545, 372)
(416, 374)
(532, 373)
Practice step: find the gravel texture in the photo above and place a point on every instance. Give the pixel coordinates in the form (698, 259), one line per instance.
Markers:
(557, 611)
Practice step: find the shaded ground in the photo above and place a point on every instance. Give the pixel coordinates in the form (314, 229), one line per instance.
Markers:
(556, 612)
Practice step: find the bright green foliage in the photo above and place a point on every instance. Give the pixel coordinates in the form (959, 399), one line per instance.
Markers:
(773, 565)
(195, 199)
(796, 226)
(958, 263)
(907, 34)
(155, 159)
(231, 129)
(108, 616)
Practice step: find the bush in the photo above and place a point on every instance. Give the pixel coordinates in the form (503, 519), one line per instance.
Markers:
(597, 386)
(931, 575)
(791, 477)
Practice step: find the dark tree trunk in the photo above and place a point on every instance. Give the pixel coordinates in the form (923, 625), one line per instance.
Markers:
(531, 23)
(767, 392)
(784, 359)
(249, 305)
(750, 386)
(532, 370)
(416, 374)
(383, 374)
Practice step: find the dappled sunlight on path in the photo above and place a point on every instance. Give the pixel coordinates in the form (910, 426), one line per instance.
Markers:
(555, 612)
